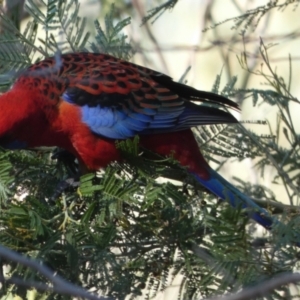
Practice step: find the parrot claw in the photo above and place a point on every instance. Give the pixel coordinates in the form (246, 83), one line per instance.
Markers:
(69, 161)
(69, 183)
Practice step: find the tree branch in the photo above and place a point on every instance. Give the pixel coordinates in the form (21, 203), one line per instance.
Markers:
(263, 288)
(60, 285)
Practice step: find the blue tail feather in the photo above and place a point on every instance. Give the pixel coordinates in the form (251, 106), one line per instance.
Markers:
(226, 191)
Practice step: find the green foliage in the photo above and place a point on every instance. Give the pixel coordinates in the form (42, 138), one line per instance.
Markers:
(157, 11)
(125, 232)
(64, 29)
(112, 40)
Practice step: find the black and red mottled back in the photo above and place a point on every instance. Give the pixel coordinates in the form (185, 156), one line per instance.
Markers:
(97, 73)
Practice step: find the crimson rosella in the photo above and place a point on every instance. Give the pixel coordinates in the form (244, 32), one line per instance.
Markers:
(84, 102)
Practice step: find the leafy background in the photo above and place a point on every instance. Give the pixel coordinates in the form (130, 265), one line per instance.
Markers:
(126, 231)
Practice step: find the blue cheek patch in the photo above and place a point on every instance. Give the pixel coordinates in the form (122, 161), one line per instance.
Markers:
(15, 145)
(67, 98)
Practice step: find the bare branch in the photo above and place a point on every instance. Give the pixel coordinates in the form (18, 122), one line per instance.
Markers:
(60, 285)
(262, 289)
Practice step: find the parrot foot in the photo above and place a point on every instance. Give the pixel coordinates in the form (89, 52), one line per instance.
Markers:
(67, 159)
(64, 185)
(72, 167)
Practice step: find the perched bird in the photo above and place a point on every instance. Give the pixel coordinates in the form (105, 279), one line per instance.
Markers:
(84, 102)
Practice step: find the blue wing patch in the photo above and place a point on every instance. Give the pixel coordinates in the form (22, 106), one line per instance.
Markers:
(117, 120)
(119, 116)
(110, 122)
(114, 123)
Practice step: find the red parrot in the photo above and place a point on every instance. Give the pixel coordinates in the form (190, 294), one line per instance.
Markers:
(84, 102)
